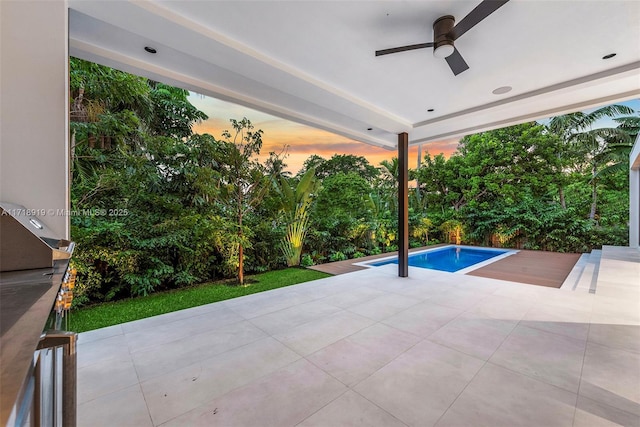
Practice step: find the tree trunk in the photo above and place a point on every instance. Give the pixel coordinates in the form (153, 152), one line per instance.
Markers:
(72, 148)
(594, 194)
(240, 251)
(241, 265)
(418, 195)
(563, 203)
(594, 200)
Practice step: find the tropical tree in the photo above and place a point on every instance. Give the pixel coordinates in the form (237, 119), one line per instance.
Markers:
(455, 228)
(243, 184)
(172, 113)
(342, 212)
(296, 206)
(387, 183)
(343, 164)
(422, 229)
(618, 150)
(590, 147)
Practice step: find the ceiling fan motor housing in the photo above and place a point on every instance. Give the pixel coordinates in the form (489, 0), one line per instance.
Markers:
(442, 39)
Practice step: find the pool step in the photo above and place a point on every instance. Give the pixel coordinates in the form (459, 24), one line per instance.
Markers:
(589, 278)
(584, 276)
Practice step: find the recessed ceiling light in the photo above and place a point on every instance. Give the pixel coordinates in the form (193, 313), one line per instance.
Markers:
(369, 128)
(609, 56)
(501, 90)
(150, 49)
(430, 110)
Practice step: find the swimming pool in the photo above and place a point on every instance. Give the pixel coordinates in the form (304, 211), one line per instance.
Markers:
(450, 258)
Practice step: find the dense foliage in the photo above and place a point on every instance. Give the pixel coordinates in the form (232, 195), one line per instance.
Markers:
(158, 207)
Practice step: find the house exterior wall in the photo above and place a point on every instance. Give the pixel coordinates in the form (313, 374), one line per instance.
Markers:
(34, 88)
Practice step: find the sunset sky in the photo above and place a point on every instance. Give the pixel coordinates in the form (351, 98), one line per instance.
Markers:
(303, 141)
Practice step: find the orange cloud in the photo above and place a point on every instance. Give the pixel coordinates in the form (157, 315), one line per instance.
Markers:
(302, 141)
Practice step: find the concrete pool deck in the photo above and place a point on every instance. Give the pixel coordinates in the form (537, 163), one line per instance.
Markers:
(370, 348)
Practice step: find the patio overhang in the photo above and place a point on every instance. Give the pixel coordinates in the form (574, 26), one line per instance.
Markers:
(311, 62)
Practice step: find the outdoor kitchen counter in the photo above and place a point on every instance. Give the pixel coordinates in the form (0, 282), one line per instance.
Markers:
(26, 301)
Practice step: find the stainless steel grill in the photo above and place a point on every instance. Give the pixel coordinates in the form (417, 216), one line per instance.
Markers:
(33, 280)
(27, 243)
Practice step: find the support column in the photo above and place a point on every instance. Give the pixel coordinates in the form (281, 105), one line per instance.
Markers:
(403, 204)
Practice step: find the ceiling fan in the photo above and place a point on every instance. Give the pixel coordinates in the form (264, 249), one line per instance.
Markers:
(445, 34)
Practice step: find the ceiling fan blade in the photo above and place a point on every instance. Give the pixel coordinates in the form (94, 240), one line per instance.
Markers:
(484, 9)
(403, 48)
(456, 62)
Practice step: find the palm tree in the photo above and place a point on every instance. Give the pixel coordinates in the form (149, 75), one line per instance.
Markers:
(586, 145)
(618, 149)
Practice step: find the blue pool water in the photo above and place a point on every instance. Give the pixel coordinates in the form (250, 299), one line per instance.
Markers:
(449, 259)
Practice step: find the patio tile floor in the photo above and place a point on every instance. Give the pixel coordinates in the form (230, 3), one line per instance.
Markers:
(369, 348)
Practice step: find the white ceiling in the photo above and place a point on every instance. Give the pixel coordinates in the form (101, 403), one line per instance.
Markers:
(313, 61)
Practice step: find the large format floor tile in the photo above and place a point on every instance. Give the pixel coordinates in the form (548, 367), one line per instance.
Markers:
(612, 376)
(497, 397)
(351, 409)
(312, 336)
(155, 321)
(173, 394)
(384, 306)
(616, 335)
(283, 320)
(283, 398)
(462, 299)
(421, 384)
(551, 358)
(100, 334)
(102, 378)
(480, 284)
(165, 333)
(558, 320)
(473, 334)
(101, 350)
(272, 302)
(352, 297)
(123, 408)
(590, 413)
(423, 319)
(499, 307)
(423, 289)
(617, 306)
(171, 356)
(354, 358)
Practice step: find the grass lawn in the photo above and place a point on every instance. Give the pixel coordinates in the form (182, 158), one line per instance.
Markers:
(114, 313)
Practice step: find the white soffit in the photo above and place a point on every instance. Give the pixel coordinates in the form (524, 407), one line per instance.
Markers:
(313, 61)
